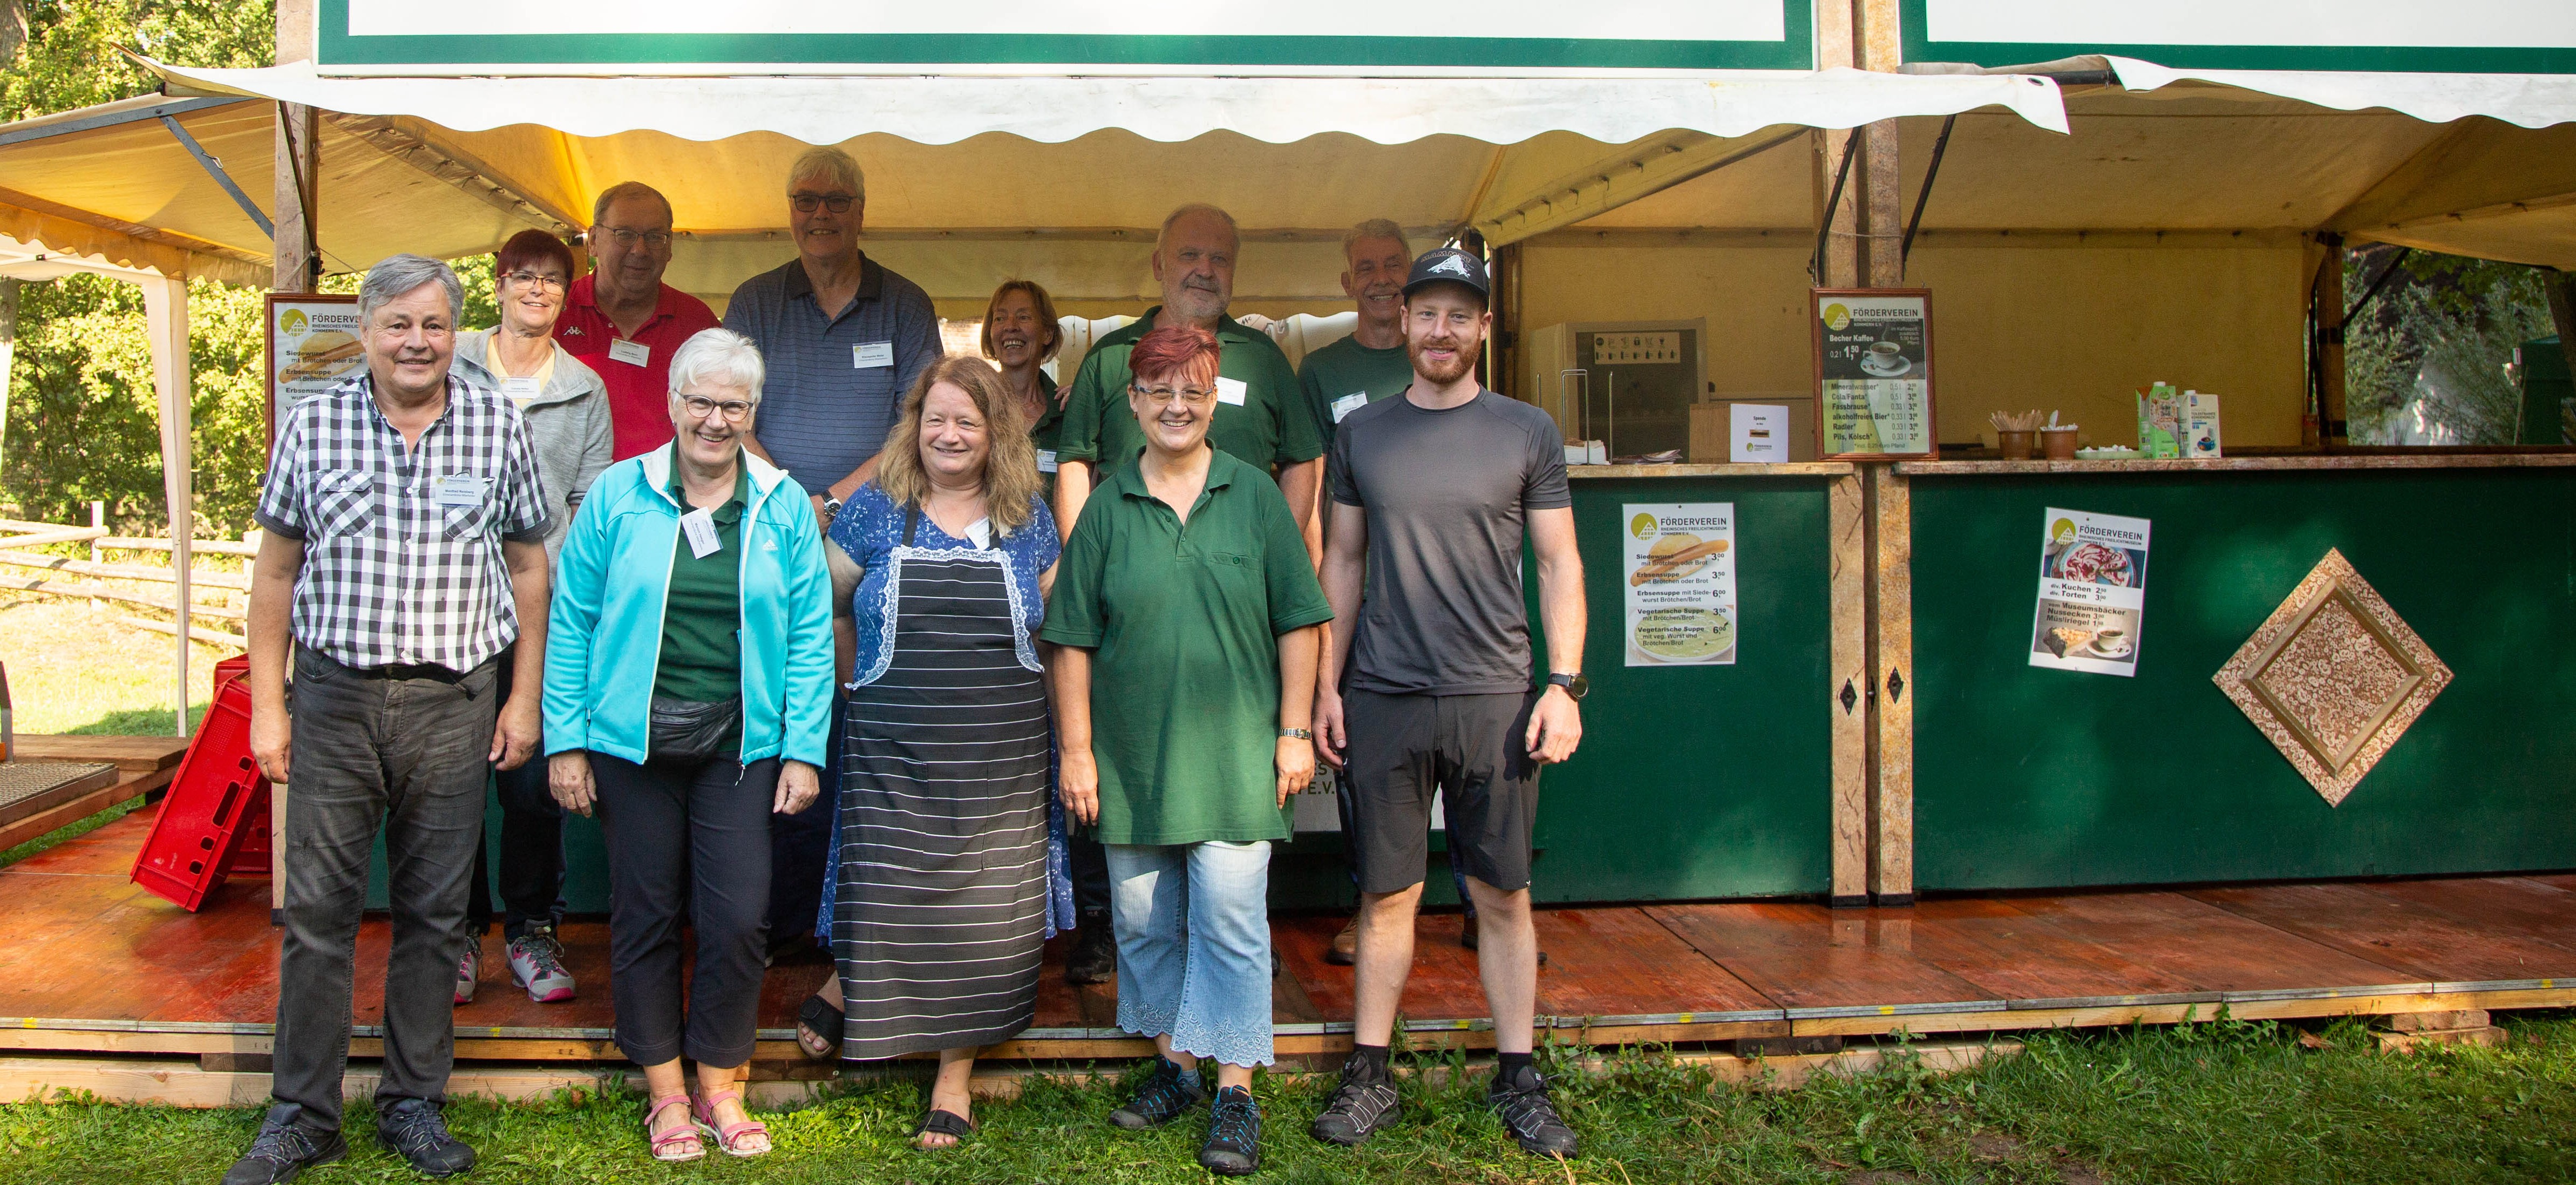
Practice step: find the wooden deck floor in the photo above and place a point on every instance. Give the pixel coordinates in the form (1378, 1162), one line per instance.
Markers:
(97, 965)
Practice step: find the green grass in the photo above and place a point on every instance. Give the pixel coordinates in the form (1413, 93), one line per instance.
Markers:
(2227, 1102)
(73, 831)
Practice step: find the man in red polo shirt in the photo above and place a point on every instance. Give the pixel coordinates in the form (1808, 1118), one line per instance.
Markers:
(624, 322)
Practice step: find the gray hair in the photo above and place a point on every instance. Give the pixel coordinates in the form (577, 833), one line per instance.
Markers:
(720, 355)
(1375, 228)
(830, 165)
(628, 189)
(396, 275)
(1197, 208)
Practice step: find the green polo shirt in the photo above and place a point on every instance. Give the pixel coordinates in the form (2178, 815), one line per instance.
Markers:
(1046, 433)
(1345, 368)
(1184, 623)
(702, 614)
(1270, 427)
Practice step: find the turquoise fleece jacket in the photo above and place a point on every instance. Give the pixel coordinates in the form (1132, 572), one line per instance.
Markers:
(604, 635)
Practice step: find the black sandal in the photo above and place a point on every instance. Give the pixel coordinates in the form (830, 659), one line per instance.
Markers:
(821, 1019)
(946, 1123)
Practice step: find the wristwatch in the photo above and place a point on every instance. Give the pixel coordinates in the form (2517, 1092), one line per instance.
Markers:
(831, 508)
(1575, 685)
(1296, 734)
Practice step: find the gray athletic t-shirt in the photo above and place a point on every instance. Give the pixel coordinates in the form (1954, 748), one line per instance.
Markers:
(1447, 495)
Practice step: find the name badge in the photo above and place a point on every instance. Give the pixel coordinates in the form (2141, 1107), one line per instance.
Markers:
(459, 490)
(1231, 391)
(630, 353)
(1046, 460)
(980, 533)
(1348, 404)
(870, 355)
(700, 527)
(519, 390)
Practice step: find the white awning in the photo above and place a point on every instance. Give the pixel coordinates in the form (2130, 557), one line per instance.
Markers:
(2525, 100)
(944, 109)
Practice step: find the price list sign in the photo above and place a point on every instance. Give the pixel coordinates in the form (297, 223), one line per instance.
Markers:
(1873, 372)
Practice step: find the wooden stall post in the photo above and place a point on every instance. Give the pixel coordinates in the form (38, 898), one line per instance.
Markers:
(1849, 580)
(2331, 430)
(1891, 645)
(295, 251)
(165, 313)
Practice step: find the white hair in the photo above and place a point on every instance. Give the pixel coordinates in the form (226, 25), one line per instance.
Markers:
(1160, 237)
(395, 275)
(831, 166)
(1375, 228)
(721, 356)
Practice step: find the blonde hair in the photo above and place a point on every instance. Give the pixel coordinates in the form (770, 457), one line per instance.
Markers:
(1038, 299)
(1010, 460)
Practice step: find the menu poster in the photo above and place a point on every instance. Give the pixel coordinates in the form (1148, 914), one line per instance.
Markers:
(2092, 592)
(1680, 564)
(313, 343)
(1873, 372)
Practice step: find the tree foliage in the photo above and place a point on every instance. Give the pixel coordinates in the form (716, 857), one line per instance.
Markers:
(2426, 361)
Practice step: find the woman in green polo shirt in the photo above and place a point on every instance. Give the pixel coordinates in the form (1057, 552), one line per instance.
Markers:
(1185, 614)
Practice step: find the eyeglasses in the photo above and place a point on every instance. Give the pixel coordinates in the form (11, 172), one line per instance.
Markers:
(700, 407)
(656, 239)
(528, 279)
(806, 203)
(1192, 396)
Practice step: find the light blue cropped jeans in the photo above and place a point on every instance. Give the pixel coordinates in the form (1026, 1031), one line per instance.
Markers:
(1193, 924)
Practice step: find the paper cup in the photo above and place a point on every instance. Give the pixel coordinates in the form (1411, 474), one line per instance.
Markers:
(2059, 443)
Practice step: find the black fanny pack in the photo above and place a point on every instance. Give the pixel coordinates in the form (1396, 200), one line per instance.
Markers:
(691, 730)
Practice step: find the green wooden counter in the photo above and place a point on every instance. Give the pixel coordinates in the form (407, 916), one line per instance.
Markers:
(2028, 778)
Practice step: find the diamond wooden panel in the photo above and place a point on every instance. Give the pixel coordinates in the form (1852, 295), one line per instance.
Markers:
(2333, 677)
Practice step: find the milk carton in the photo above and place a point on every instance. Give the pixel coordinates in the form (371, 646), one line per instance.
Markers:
(2160, 422)
(2199, 425)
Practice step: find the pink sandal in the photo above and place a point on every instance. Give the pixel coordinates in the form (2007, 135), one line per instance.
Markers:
(678, 1145)
(729, 1138)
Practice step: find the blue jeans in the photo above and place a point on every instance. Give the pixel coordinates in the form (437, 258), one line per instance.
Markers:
(1193, 923)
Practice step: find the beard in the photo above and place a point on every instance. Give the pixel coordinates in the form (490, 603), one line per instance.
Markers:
(1443, 373)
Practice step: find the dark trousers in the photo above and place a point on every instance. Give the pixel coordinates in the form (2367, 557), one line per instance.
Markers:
(686, 837)
(1090, 860)
(1350, 835)
(406, 755)
(532, 861)
(801, 844)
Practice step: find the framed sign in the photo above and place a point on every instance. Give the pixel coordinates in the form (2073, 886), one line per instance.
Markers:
(313, 343)
(1873, 349)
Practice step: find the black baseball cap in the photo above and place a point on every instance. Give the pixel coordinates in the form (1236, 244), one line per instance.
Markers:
(1448, 265)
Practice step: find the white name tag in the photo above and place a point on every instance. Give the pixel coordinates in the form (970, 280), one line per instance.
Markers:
(1231, 391)
(980, 532)
(1046, 460)
(459, 490)
(1348, 404)
(630, 353)
(519, 390)
(870, 355)
(700, 527)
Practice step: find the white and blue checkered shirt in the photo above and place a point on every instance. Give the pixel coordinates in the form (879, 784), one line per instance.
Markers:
(402, 547)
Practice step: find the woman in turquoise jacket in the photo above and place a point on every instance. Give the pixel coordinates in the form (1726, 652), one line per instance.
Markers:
(688, 699)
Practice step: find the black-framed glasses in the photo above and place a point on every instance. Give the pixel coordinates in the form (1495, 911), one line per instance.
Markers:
(700, 407)
(1193, 396)
(527, 279)
(628, 238)
(807, 203)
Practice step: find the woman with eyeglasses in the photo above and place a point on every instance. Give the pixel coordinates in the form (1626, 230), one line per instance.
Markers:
(566, 410)
(1185, 620)
(688, 700)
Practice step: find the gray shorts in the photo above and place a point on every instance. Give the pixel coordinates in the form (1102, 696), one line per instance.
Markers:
(1404, 748)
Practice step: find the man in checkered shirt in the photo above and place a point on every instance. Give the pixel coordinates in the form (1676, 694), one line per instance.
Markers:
(403, 555)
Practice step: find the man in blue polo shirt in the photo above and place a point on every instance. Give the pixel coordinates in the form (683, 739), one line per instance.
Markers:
(842, 336)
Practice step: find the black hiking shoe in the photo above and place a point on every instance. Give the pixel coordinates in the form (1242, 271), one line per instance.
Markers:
(415, 1130)
(1162, 1099)
(283, 1151)
(1358, 1108)
(1525, 1110)
(1233, 1147)
(1095, 951)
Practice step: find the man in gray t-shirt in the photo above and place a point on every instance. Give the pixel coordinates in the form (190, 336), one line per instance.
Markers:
(1425, 688)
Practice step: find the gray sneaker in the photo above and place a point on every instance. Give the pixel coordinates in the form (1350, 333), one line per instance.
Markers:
(536, 964)
(469, 970)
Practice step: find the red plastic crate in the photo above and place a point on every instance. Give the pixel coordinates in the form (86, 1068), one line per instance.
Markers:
(217, 801)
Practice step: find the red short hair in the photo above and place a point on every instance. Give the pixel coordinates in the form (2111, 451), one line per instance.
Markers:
(1174, 350)
(529, 247)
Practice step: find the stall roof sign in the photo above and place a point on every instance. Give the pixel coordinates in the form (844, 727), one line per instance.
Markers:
(386, 37)
(2385, 36)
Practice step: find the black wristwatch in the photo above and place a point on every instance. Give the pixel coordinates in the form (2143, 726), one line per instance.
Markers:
(1575, 685)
